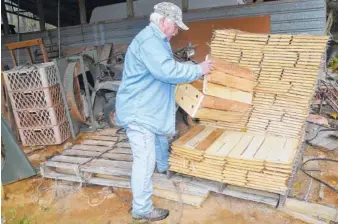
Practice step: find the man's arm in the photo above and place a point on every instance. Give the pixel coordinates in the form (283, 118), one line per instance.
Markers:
(164, 67)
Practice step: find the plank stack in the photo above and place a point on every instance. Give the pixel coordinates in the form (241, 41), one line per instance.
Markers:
(37, 103)
(258, 161)
(285, 69)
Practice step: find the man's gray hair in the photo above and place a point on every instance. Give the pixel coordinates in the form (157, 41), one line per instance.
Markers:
(156, 18)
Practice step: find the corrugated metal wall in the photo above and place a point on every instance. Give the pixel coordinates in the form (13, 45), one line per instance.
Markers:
(303, 16)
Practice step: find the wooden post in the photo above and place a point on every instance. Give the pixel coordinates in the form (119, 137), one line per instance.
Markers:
(26, 44)
(185, 5)
(83, 15)
(130, 8)
(15, 62)
(41, 15)
(44, 52)
(4, 17)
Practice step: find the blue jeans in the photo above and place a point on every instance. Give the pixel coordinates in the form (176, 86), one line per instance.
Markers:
(149, 150)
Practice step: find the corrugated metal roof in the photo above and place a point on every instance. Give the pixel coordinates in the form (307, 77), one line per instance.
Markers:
(302, 16)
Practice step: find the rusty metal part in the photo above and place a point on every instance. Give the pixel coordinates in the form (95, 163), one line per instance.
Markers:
(327, 91)
(73, 94)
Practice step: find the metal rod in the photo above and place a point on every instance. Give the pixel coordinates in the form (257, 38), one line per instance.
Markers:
(59, 35)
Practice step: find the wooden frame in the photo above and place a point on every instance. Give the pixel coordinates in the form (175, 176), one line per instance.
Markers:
(27, 44)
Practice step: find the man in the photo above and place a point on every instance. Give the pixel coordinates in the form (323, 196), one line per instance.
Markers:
(145, 103)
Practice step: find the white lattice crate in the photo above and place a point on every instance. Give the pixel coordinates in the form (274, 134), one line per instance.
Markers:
(31, 77)
(51, 135)
(36, 99)
(40, 118)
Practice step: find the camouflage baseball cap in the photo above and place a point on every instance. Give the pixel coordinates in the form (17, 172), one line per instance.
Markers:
(171, 11)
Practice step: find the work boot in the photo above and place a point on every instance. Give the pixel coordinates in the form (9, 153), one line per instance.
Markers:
(156, 214)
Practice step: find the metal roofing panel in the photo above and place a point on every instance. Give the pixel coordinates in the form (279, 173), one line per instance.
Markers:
(302, 16)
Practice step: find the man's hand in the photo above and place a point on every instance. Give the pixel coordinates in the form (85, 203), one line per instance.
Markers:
(206, 66)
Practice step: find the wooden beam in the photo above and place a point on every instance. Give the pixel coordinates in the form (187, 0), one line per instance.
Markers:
(83, 13)
(23, 44)
(130, 8)
(4, 17)
(312, 210)
(41, 15)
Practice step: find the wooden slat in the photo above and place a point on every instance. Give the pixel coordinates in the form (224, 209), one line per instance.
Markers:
(232, 69)
(228, 80)
(108, 155)
(102, 148)
(220, 115)
(23, 44)
(203, 145)
(114, 171)
(227, 93)
(224, 104)
(96, 162)
(193, 142)
(104, 138)
(105, 143)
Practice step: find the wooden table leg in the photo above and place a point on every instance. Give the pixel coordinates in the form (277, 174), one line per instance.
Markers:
(29, 55)
(13, 58)
(44, 53)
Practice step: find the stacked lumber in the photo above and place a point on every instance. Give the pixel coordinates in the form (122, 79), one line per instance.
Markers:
(262, 162)
(285, 68)
(225, 95)
(235, 83)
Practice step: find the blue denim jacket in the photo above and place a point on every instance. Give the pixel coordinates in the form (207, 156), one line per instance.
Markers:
(146, 95)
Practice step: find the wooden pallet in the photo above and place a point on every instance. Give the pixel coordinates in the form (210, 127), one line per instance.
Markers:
(103, 159)
(113, 168)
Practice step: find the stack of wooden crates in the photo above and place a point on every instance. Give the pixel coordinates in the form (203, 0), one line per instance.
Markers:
(38, 108)
(252, 109)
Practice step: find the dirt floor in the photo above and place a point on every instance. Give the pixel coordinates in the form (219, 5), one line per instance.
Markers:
(306, 189)
(38, 200)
